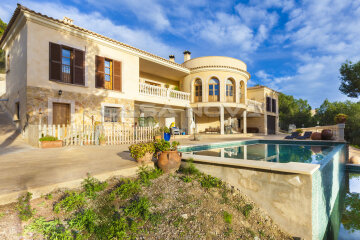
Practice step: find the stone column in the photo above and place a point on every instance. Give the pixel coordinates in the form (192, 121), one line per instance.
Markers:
(341, 133)
(265, 124)
(244, 122)
(189, 121)
(222, 120)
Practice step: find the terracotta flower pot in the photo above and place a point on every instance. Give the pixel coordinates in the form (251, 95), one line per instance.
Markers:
(51, 144)
(146, 158)
(158, 137)
(102, 142)
(316, 136)
(326, 134)
(169, 161)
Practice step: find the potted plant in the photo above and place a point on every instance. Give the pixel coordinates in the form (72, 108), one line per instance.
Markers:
(158, 133)
(142, 152)
(102, 139)
(167, 135)
(341, 118)
(50, 142)
(169, 159)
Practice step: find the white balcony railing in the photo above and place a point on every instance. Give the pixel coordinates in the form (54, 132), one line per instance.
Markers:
(150, 90)
(257, 106)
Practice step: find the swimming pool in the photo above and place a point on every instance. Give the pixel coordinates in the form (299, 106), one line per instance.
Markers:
(295, 182)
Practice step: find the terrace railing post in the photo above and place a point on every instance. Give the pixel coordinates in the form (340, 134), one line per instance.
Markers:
(341, 132)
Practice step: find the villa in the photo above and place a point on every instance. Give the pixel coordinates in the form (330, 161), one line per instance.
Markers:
(60, 74)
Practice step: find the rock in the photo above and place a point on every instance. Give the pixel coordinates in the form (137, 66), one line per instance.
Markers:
(184, 216)
(355, 160)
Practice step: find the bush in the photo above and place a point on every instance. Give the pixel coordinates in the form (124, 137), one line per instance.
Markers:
(146, 174)
(162, 145)
(140, 149)
(208, 181)
(341, 118)
(72, 201)
(54, 229)
(299, 130)
(92, 186)
(190, 169)
(48, 138)
(126, 189)
(24, 207)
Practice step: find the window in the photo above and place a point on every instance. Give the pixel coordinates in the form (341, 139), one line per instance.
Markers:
(198, 90)
(108, 73)
(230, 90)
(273, 105)
(17, 109)
(214, 90)
(111, 114)
(66, 64)
(268, 104)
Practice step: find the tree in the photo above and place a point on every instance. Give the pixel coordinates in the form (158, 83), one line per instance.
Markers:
(2, 57)
(294, 111)
(350, 79)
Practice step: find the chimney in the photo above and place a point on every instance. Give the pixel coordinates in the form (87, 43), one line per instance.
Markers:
(68, 20)
(187, 55)
(171, 58)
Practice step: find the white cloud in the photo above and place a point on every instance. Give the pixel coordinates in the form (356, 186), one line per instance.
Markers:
(98, 23)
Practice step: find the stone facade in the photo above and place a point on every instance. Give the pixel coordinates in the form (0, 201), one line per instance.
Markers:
(87, 107)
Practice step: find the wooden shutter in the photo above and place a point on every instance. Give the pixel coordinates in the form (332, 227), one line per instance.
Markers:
(273, 109)
(117, 76)
(99, 72)
(79, 67)
(55, 62)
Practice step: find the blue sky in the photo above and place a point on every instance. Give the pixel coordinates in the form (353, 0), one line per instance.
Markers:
(293, 47)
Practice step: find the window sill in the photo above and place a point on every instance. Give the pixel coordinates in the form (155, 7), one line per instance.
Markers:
(70, 84)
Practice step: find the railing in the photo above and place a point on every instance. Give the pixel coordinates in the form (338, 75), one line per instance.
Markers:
(89, 135)
(150, 90)
(258, 106)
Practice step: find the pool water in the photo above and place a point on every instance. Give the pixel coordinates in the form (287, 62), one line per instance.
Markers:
(350, 208)
(282, 153)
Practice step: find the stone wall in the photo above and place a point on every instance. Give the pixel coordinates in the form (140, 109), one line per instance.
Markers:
(85, 106)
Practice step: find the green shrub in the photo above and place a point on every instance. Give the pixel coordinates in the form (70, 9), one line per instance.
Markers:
(126, 189)
(146, 174)
(190, 168)
(48, 138)
(340, 118)
(299, 130)
(52, 230)
(24, 207)
(208, 181)
(161, 145)
(140, 149)
(92, 186)
(227, 217)
(72, 201)
(186, 179)
(115, 229)
(247, 209)
(139, 208)
(84, 221)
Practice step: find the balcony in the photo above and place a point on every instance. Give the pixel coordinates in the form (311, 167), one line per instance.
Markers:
(163, 95)
(255, 106)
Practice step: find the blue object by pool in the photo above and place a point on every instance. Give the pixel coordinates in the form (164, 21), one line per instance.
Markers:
(167, 136)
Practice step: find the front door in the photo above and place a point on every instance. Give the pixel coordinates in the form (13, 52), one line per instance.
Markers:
(61, 114)
(271, 124)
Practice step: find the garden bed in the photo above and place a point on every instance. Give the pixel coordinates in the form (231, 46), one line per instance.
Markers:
(184, 205)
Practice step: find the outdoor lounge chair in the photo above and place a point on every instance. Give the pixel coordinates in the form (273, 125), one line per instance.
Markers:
(293, 135)
(305, 136)
(175, 131)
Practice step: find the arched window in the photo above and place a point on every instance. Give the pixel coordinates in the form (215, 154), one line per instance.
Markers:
(230, 93)
(198, 90)
(214, 90)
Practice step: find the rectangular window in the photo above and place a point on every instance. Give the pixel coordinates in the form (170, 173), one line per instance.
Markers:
(268, 104)
(273, 105)
(108, 73)
(66, 62)
(17, 109)
(8, 63)
(111, 114)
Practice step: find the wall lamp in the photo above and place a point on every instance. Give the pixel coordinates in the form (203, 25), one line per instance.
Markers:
(60, 92)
